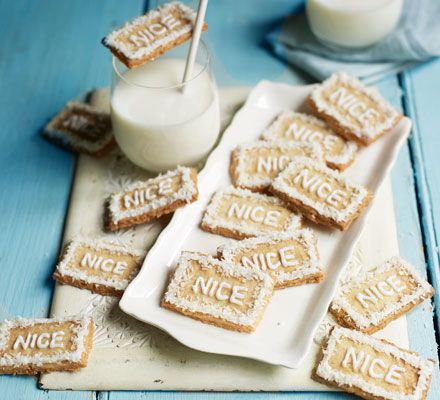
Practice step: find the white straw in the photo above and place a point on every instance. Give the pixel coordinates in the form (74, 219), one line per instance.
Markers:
(197, 32)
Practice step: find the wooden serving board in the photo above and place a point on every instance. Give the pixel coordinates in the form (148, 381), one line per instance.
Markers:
(130, 355)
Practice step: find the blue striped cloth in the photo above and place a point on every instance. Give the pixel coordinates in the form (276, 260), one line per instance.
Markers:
(416, 39)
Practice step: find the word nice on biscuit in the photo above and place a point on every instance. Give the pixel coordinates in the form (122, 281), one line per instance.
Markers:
(81, 128)
(240, 213)
(373, 368)
(352, 110)
(369, 303)
(297, 127)
(290, 258)
(100, 266)
(149, 36)
(255, 164)
(145, 200)
(30, 346)
(321, 194)
(218, 293)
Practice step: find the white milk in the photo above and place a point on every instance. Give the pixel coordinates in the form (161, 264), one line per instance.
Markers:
(161, 128)
(353, 23)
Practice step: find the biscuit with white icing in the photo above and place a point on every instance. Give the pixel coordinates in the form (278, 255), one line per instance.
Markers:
(81, 128)
(255, 164)
(371, 368)
(149, 36)
(218, 293)
(240, 213)
(320, 194)
(100, 266)
(353, 110)
(298, 127)
(291, 259)
(143, 201)
(31, 346)
(370, 302)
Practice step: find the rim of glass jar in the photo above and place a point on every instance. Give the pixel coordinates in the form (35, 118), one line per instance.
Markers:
(178, 85)
(375, 7)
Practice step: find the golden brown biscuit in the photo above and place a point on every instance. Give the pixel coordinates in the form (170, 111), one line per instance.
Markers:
(218, 293)
(31, 346)
(371, 302)
(81, 128)
(240, 213)
(149, 36)
(143, 201)
(100, 266)
(320, 194)
(254, 165)
(371, 368)
(353, 110)
(291, 259)
(298, 127)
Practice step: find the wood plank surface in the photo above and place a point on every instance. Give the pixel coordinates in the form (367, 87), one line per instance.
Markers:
(422, 88)
(49, 53)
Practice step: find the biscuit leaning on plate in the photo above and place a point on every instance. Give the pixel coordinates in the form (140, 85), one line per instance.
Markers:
(31, 346)
(294, 127)
(291, 259)
(320, 194)
(353, 110)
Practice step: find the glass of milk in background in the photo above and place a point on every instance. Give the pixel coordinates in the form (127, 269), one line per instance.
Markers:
(158, 125)
(352, 24)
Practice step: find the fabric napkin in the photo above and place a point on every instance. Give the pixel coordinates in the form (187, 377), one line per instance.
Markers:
(415, 39)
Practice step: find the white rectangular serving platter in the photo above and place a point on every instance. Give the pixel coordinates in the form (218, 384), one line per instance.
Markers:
(286, 332)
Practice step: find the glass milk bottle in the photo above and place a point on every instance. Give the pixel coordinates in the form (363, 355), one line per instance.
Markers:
(157, 124)
(352, 24)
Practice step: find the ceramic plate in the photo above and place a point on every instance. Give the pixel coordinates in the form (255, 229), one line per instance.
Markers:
(286, 332)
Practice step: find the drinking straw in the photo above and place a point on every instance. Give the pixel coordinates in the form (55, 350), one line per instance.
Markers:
(200, 19)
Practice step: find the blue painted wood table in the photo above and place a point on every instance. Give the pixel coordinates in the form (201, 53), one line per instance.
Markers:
(50, 53)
